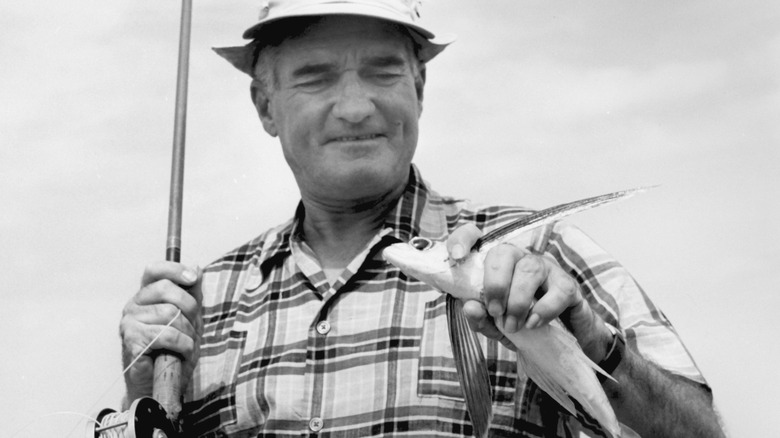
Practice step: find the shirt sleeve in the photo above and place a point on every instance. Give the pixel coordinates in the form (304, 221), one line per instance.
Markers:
(619, 300)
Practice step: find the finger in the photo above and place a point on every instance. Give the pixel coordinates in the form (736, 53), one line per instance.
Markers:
(140, 376)
(479, 320)
(529, 275)
(461, 240)
(499, 269)
(476, 314)
(167, 314)
(167, 292)
(175, 272)
(146, 339)
(171, 339)
(560, 292)
(196, 290)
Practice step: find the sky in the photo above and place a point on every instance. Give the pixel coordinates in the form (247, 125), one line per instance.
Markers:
(536, 103)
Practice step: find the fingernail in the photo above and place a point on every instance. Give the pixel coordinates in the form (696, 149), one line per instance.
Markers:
(533, 321)
(458, 251)
(510, 324)
(189, 276)
(495, 309)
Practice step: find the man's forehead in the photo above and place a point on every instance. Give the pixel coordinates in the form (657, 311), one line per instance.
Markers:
(348, 34)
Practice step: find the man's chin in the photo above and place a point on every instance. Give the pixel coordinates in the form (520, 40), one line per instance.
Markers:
(369, 180)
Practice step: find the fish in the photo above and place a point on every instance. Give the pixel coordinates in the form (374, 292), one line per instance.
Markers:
(549, 354)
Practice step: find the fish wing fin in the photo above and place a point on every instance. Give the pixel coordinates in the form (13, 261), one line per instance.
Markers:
(547, 384)
(564, 363)
(472, 368)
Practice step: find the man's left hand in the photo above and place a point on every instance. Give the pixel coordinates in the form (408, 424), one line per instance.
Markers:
(523, 291)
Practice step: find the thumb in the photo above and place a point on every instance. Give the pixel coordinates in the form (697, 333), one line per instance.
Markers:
(460, 241)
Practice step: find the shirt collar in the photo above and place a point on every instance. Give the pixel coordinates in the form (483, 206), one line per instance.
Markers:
(420, 211)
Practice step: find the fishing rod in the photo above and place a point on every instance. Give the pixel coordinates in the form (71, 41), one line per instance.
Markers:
(157, 417)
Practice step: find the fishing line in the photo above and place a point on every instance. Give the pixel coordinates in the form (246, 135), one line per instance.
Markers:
(136, 359)
(87, 417)
(54, 414)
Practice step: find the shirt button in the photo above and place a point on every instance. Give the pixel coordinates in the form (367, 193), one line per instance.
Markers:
(315, 424)
(254, 279)
(323, 327)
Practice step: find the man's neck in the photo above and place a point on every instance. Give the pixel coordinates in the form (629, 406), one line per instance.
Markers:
(337, 234)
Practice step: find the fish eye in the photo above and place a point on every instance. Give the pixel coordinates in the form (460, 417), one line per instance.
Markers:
(421, 243)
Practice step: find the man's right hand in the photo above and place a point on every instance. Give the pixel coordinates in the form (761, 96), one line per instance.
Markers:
(166, 288)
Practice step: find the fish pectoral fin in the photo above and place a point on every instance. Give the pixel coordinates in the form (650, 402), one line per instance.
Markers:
(472, 368)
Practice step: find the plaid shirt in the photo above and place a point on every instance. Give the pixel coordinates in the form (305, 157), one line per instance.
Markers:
(285, 353)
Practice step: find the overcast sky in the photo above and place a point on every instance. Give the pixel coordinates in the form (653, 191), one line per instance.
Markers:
(537, 103)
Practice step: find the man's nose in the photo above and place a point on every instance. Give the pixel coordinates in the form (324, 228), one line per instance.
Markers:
(354, 102)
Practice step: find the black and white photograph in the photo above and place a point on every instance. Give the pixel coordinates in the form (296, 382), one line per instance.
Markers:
(434, 218)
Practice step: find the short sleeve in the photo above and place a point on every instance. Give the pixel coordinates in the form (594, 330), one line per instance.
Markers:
(619, 300)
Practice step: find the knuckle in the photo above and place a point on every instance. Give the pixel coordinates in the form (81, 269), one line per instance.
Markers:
(129, 329)
(505, 250)
(519, 304)
(188, 347)
(530, 265)
(569, 287)
(168, 312)
(164, 285)
(130, 307)
(151, 272)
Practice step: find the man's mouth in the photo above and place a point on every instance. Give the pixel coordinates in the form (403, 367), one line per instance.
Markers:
(357, 137)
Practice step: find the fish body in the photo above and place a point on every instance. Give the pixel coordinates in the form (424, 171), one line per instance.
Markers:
(549, 354)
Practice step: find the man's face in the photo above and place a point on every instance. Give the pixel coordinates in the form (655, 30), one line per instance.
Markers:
(345, 107)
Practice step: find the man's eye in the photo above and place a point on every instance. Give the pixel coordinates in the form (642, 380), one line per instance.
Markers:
(385, 75)
(313, 82)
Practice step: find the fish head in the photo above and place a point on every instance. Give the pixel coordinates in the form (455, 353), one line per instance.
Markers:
(430, 262)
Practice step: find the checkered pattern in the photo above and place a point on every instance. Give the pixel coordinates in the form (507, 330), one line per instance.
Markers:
(284, 353)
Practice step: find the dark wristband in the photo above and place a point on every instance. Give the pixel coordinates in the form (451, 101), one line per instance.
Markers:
(617, 350)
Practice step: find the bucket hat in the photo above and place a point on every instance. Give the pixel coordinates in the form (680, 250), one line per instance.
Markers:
(403, 12)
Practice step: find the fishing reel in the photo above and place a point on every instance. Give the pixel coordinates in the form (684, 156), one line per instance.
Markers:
(145, 419)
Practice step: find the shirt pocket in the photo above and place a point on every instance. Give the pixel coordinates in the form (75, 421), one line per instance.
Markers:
(229, 418)
(248, 411)
(214, 407)
(437, 375)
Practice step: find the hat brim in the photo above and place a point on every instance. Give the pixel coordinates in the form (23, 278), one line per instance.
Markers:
(243, 57)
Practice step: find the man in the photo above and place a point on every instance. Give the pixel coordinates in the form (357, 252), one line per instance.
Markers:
(306, 330)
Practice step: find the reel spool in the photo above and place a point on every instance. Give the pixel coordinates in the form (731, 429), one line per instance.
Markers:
(145, 419)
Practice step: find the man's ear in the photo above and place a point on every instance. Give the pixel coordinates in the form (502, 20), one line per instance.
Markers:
(262, 102)
(419, 86)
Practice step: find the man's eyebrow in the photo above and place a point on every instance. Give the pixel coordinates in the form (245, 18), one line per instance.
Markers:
(371, 61)
(313, 69)
(385, 61)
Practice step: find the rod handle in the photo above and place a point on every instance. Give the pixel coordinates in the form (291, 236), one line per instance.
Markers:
(167, 383)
